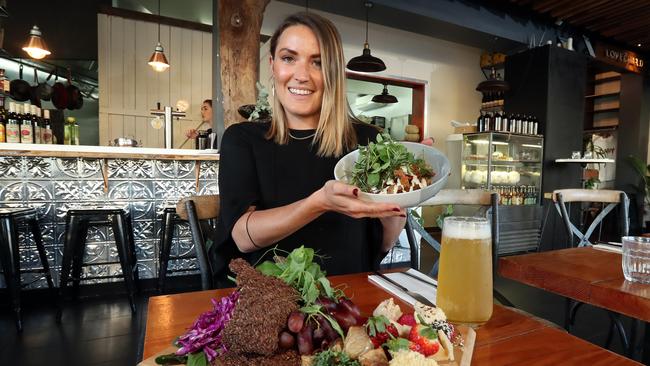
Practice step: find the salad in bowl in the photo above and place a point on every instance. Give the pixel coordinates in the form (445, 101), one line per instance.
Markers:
(405, 173)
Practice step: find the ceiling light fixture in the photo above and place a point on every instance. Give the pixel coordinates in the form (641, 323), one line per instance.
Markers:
(35, 46)
(638, 44)
(384, 97)
(366, 62)
(158, 61)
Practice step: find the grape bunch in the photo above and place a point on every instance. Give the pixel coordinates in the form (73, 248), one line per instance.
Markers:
(309, 333)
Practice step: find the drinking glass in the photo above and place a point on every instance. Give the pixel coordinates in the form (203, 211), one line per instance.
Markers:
(465, 275)
(636, 259)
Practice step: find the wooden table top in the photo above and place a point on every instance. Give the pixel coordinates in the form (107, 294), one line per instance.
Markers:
(588, 275)
(510, 337)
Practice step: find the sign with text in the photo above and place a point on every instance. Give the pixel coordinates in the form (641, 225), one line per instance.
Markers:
(628, 60)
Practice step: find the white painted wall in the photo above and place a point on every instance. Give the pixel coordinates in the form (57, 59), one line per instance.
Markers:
(451, 70)
(129, 88)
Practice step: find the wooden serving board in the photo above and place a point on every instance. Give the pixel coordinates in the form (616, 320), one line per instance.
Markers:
(462, 355)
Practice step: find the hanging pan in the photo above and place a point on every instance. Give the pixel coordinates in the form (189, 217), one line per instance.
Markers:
(19, 89)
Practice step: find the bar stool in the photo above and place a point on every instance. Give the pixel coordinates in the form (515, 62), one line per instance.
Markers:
(78, 220)
(169, 220)
(10, 218)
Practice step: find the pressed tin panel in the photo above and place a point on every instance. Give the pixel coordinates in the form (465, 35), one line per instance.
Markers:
(144, 186)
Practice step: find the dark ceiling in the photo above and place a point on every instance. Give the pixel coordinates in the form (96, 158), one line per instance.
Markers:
(625, 21)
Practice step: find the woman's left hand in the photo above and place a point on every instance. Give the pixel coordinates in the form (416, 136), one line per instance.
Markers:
(343, 198)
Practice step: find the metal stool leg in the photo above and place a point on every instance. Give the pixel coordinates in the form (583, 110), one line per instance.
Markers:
(121, 240)
(78, 255)
(11, 266)
(70, 240)
(166, 233)
(131, 241)
(38, 239)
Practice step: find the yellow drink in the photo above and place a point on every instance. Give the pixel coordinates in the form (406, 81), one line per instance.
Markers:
(465, 275)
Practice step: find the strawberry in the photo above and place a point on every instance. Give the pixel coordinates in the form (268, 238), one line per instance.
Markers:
(424, 340)
(380, 330)
(407, 319)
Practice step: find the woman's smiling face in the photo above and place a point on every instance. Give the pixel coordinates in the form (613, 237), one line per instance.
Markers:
(296, 68)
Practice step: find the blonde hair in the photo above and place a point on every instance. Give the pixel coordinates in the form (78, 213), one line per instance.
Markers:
(334, 134)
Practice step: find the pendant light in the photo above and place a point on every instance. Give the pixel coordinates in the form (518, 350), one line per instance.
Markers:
(35, 46)
(158, 61)
(366, 62)
(384, 97)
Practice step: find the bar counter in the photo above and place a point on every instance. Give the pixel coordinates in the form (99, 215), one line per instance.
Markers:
(53, 178)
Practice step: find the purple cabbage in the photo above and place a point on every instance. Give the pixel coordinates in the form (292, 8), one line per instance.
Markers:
(205, 334)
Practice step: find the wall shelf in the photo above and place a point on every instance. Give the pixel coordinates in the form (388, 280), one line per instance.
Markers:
(594, 96)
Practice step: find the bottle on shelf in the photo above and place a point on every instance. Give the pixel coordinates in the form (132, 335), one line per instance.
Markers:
(36, 124)
(75, 129)
(498, 121)
(488, 122)
(46, 131)
(480, 122)
(68, 130)
(26, 128)
(12, 128)
(505, 122)
(3, 119)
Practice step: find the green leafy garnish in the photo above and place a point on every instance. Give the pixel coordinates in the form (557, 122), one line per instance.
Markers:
(299, 271)
(377, 324)
(427, 332)
(397, 344)
(333, 358)
(378, 161)
(197, 359)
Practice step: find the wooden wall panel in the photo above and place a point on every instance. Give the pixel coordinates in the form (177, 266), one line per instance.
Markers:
(129, 88)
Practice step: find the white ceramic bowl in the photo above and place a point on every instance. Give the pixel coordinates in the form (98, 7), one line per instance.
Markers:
(433, 157)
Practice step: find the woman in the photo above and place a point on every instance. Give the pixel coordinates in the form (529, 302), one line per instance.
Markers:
(275, 179)
(206, 118)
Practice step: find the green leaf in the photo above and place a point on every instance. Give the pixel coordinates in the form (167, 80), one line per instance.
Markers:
(334, 324)
(326, 287)
(379, 139)
(373, 179)
(269, 268)
(397, 344)
(428, 332)
(197, 359)
(377, 324)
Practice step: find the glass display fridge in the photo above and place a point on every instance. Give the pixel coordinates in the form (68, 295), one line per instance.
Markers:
(510, 164)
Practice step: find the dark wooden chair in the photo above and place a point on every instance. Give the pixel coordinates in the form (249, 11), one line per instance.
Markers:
(194, 210)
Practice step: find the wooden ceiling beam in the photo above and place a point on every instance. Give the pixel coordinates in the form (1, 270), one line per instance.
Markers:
(578, 7)
(605, 10)
(627, 27)
(631, 13)
(547, 5)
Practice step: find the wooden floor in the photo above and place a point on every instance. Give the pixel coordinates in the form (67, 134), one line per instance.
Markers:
(102, 331)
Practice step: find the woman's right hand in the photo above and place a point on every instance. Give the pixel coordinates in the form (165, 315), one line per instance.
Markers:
(343, 198)
(192, 133)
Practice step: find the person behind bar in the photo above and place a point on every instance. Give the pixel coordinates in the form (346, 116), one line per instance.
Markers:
(206, 119)
(276, 179)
